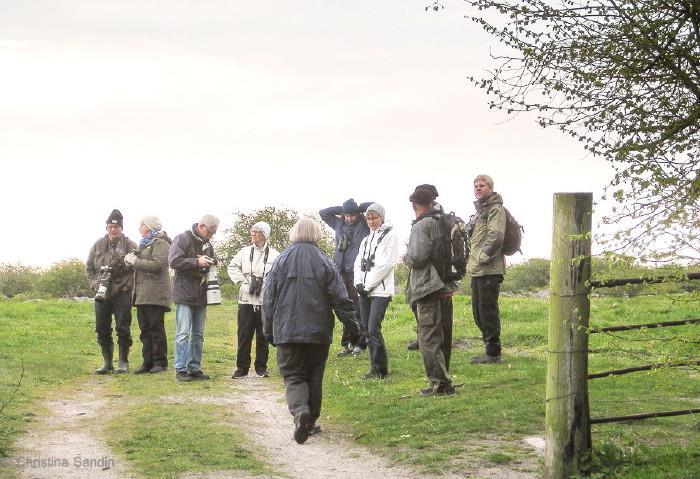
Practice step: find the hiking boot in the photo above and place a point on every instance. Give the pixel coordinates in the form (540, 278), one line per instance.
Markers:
(346, 351)
(485, 359)
(438, 390)
(107, 366)
(302, 421)
(238, 374)
(198, 376)
(314, 429)
(182, 376)
(123, 365)
(158, 369)
(263, 373)
(413, 345)
(357, 350)
(372, 374)
(142, 369)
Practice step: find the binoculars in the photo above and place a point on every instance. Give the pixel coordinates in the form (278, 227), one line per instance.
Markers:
(255, 286)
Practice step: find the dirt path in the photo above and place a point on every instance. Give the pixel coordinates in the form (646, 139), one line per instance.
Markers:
(67, 442)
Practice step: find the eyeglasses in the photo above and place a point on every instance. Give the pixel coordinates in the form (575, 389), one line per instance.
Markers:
(372, 218)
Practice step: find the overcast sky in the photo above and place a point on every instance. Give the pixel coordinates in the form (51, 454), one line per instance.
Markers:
(180, 108)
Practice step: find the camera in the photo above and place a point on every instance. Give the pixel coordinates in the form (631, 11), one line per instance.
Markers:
(105, 282)
(366, 264)
(255, 286)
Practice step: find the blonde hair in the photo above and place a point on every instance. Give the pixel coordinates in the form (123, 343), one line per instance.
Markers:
(306, 230)
(486, 178)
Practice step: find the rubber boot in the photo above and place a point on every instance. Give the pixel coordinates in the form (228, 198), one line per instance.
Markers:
(107, 353)
(123, 365)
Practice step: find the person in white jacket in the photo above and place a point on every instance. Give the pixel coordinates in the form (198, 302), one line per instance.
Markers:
(374, 275)
(249, 268)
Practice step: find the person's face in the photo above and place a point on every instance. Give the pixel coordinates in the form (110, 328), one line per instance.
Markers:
(350, 219)
(374, 221)
(482, 189)
(143, 230)
(114, 231)
(257, 238)
(206, 233)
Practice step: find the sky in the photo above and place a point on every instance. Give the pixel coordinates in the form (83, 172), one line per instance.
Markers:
(185, 108)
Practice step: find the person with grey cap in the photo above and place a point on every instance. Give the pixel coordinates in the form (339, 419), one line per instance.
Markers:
(191, 254)
(374, 278)
(249, 268)
(350, 229)
(151, 294)
(108, 253)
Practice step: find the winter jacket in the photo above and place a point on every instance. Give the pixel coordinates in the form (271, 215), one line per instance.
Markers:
(302, 290)
(423, 277)
(151, 275)
(380, 252)
(103, 253)
(241, 268)
(347, 237)
(190, 283)
(486, 242)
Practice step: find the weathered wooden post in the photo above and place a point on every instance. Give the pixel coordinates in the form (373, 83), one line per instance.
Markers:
(567, 421)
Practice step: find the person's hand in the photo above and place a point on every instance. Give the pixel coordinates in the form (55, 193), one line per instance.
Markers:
(361, 290)
(204, 261)
(130, 259)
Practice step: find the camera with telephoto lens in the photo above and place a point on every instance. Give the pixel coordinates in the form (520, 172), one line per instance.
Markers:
(366, 264)
(104, 284)
(255, 286)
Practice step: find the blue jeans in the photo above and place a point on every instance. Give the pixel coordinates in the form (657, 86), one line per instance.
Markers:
(373, 309)
(189, 337)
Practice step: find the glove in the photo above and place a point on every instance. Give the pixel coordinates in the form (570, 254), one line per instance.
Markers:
(130, 259)
(270, 340)
(361, 290)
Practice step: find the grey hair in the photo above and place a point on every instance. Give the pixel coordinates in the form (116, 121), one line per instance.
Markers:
(306, 230)
(210, 221)
(486, 178)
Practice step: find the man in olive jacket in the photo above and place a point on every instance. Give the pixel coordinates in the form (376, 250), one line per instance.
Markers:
(109, 251)
(486, 266)
(426, 291)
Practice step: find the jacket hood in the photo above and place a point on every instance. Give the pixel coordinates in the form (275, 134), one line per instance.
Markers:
(494, 199)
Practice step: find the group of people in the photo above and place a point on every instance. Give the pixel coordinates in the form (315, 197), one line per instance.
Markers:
(289, 299)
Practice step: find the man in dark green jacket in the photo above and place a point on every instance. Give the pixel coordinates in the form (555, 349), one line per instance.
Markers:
(486, 266)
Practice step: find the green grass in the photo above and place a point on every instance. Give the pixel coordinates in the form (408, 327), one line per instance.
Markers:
(482, 425)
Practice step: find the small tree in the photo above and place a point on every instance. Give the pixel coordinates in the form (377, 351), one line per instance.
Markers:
(17, 279)
(65, 279)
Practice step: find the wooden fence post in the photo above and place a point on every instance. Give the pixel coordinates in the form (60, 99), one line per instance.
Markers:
(567, 420)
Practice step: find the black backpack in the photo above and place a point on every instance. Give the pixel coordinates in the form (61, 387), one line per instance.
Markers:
(513, 237)
(450, 256)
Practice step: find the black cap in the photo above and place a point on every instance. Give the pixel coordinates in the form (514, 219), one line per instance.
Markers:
(350, 207)
(430, 188)
(422, 196)
(115, 218)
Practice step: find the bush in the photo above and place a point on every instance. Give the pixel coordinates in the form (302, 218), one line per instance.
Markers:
(531, 275)
(17, 279)
(65, 279)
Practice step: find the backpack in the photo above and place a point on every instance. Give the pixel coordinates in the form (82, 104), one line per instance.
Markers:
(513, 237)
(450, 257)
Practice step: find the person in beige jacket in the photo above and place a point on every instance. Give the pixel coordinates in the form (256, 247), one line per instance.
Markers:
(249, 268)
(486, 266)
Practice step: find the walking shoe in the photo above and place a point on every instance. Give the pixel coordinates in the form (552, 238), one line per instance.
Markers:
(182, 376)
(413, 346)
(238, 374)
(485, 359)
(302, 421)
(142, 369)
(346, 351)
(438, 390)
(262, 373)
(372, 374)
(158, 369)
(198, 375)
(357, 350)
(314, 429)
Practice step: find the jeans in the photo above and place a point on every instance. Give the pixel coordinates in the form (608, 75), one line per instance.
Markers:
(373, 309)
(349, 281)
(189, 337)
(249, 324)
(119, 305)
(485, 290)
(302, 367)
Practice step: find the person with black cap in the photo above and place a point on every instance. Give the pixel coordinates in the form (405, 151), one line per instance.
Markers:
(109, 252)
(350, 229)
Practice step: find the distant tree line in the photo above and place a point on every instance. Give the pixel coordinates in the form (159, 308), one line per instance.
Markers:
(65, 279)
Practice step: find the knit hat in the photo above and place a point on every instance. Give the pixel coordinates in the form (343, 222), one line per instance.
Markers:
(350, 207)
(210, 221)
(422, 196)
(431, 188)
(152, 223)
(376, 208)
(115, 218)
(263, 227)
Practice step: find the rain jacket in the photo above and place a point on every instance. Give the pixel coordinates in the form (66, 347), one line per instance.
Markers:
(381, 249)
(486, 242)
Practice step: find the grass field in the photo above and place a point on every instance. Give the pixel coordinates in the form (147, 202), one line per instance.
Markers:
(482, 425)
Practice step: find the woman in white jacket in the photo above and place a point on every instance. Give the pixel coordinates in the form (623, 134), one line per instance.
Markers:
(374, 275)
